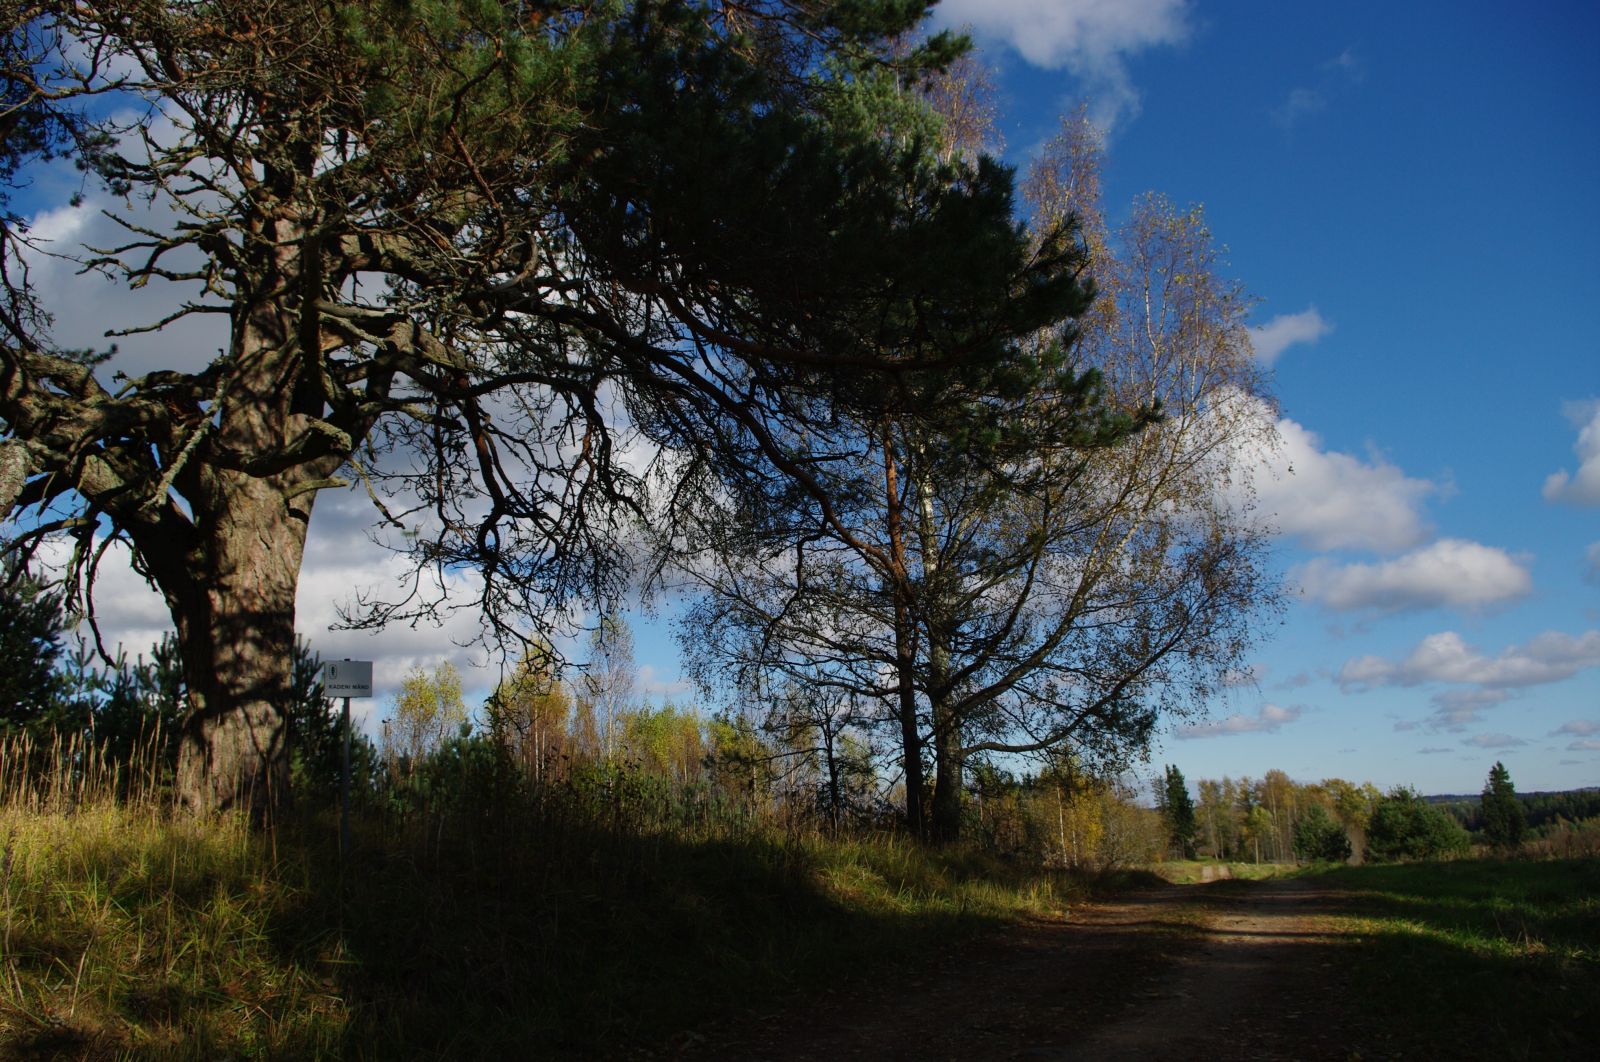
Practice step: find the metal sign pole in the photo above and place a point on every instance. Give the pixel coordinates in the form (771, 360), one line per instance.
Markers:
(347, 679)
(344, 789)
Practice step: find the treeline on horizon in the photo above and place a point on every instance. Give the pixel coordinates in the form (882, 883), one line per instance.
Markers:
(790, 764)
(1277, 819)
(1541, 808)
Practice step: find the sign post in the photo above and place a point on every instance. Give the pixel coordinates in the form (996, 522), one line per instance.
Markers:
(346, 678)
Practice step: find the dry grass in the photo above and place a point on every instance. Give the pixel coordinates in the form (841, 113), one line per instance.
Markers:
(582, 928)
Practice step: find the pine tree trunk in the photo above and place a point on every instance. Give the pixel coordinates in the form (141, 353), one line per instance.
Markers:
(234, 606)
(947, 775)
(905, 663)
(235, 630)
(948, 762)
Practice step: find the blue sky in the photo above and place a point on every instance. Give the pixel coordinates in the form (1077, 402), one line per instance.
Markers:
(1410, 190)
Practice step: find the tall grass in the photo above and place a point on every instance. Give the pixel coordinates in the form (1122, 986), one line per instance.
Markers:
(473, 917)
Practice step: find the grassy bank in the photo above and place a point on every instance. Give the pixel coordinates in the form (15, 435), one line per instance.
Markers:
(1476, 958)
(520, 934)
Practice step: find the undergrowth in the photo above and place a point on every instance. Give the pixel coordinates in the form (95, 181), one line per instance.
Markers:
(531, 929)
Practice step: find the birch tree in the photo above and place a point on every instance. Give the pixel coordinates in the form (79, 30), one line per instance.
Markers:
(1059, 571)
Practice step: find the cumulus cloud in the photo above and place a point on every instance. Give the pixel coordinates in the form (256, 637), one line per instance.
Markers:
(1286, 330)
(1449, 572)
(1090, 38)
(85, 305)
(132, 617)
(1445, 657)
(1455, 710)
(1332, 500)
(1269, 719)
(1578, 728)
(1587, 745)
(1583, 486)
(338, 563)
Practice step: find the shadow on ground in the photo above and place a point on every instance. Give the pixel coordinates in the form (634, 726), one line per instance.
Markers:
(1286, 969)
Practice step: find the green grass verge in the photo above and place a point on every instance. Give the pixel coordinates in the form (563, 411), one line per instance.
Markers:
(126, 932)
(1476, 958)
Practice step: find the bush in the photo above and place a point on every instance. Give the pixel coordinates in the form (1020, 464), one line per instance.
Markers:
(1405, 827)
(1318, 837)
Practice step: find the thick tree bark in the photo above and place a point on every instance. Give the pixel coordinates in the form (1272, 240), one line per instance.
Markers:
(232, 592)
(235, 627)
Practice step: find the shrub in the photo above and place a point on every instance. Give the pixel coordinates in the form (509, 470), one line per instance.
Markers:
(1318, 837)
(1404, 826)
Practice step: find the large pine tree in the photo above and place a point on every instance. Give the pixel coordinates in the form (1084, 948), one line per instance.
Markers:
(473, 256)
(1504, 821)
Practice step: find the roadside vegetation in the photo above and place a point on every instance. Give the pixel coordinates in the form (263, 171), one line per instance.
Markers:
(592, 915)
(1476, 958)
(511, 883)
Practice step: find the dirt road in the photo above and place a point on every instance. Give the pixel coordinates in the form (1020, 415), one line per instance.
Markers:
(1181, 972)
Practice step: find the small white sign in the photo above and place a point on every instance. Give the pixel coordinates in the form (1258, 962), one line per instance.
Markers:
(347, 678)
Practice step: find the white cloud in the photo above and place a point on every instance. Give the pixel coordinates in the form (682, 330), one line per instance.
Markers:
(84, 306)
(651, 683)
(131, 616)
(1581, 487)
(1284, 331)
(1578, 727)
(1587, 745)
(1091, 38)
(1269, 719)
(1244, 676)
(1494, 741)
(1295, 681)
(1591, 558)
(1445, 657)
(339, 561)
(1455, 710)
(1332, 500)
(1450, 572)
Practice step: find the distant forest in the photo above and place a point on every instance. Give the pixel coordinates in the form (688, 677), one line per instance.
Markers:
(1542, 808)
